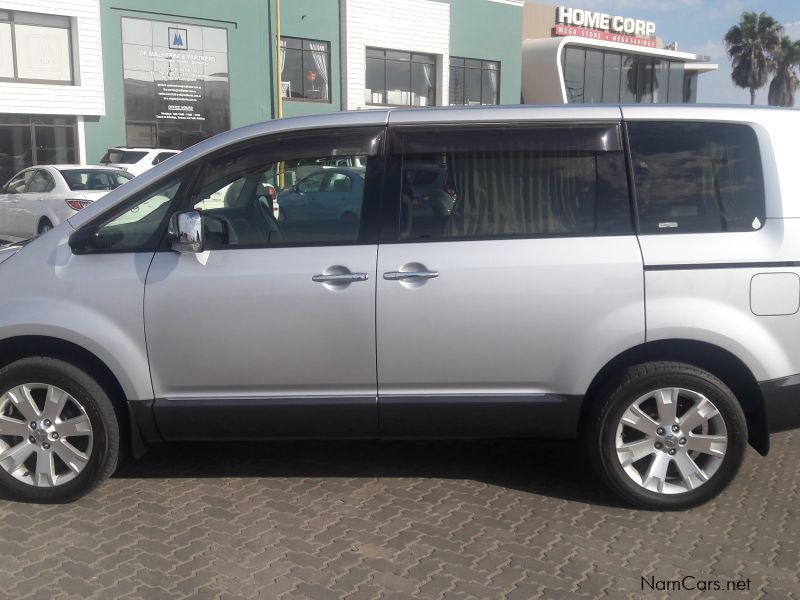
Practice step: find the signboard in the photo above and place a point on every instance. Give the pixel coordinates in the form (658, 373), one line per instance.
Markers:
(176, 82)
(605, 36)
(605, 27)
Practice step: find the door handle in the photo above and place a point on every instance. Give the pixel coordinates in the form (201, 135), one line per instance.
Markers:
(340, 278)
(410, 275)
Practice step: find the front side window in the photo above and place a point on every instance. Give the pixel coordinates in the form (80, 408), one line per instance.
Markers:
(400, 78)
(19, 184)
(697, 177)
(286, 192)
(305, 69)
(474, 81)
(140, 226)
(513, 182)
(35, 47)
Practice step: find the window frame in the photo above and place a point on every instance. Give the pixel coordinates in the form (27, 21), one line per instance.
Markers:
(69, 27)
(391, 205)
(373, 184)
(633, 189)
(302, 68)
(483, 71)
(410, 61)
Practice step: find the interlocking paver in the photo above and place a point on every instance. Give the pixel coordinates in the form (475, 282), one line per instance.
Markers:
(395, 520)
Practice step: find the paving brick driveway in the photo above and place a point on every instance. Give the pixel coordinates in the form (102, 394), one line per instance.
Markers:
(397, 520)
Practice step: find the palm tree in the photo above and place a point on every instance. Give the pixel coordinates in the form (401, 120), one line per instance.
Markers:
(785, 82)
(750, 45)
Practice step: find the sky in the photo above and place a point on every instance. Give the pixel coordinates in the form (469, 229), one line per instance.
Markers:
(699, 26)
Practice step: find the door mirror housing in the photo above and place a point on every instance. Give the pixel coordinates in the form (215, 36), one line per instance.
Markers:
(186, 232)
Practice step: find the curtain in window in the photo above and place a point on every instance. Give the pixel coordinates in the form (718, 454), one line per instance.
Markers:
(426, 70)
(492, 73)
(519, 193)
(321, 62)
(284, 92)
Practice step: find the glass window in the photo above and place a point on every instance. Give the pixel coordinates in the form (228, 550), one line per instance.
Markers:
(697, 177)
(512, 182)
(286, 191)
(122, 157)
(612, 76)
(675, 82)
(593, 88)
(175, 82)
(139, 227)
(474, 81)
(41, 182)
(305, 71)
(35, 47)
(400, 78)
(629, 91)
(661, 82)
(93, 179)
(19, 184)
(162, 156)
(26, 141)
(646, 81)
(574, 66)
(690, 87)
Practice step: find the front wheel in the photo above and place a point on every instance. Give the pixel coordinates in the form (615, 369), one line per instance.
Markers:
(668, 436)
(59, 435)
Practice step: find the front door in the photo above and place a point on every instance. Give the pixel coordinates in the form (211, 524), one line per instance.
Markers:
(507, 289)
(271, 331)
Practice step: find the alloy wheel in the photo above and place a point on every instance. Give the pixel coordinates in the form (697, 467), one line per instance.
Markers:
(46, 437)
(671, 440)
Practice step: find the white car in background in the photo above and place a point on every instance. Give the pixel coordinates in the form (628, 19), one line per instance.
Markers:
(136, 160)
(38, 198)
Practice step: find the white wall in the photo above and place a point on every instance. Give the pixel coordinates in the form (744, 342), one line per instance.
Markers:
(411, 25)
(87, 98)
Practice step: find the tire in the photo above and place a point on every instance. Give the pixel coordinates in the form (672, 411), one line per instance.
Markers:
(658, 468)
(86, 451)
(44, 226)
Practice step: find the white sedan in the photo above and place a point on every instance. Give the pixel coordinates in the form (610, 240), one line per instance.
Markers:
(38, 198)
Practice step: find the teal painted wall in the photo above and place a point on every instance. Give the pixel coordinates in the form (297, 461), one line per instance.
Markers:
(316, 20)
(490, 31)
(248, 59)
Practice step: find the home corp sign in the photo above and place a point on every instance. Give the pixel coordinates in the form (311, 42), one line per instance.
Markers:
(605, 27)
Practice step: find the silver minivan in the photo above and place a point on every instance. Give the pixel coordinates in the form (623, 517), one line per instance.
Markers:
(626, 276)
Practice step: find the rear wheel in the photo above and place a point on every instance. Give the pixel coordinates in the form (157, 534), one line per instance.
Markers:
(44, 226)
(669, 436)
(59, 435)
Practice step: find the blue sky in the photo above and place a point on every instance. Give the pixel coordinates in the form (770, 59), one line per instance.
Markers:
(698, 26)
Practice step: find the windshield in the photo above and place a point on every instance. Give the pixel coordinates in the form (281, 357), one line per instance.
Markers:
(122, 157)
(94, 179)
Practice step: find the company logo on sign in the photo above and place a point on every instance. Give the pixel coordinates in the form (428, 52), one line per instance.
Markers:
(604, 22)
(177, 39)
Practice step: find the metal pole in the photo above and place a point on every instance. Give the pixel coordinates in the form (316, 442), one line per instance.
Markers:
(279, 55)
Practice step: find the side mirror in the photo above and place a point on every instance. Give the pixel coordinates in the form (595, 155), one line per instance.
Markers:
(186, 232)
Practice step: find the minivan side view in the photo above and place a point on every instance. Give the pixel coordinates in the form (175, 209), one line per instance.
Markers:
(625, 276)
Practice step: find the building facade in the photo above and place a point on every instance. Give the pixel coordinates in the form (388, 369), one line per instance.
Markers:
(571, 55)
(81, 76)
(51, 81)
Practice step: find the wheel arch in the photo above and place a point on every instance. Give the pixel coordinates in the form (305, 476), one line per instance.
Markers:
(719, 362)
(15, 348)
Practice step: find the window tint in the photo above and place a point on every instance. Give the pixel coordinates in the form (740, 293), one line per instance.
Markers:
(138, 227)
(490, 182)
(284, 191)
(697, 177)
(41, 182)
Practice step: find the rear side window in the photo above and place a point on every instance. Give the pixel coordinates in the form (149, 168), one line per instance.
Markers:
(520, 181)
(697, 177)
(122, 157)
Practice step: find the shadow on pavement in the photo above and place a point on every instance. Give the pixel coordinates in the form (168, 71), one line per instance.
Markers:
(555, 469)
